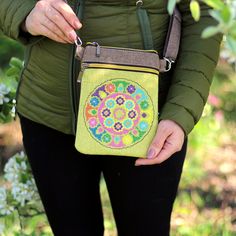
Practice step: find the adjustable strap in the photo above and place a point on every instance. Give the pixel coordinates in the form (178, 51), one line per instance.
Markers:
(144, 26)
(172, 42)
(171, 47)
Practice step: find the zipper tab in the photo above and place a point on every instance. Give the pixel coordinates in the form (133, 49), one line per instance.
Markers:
(98, 48)
(79, 78)
(83, 67)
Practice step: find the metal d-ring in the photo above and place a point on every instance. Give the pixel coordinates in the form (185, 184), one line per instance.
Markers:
(168, 63)
(139, 3)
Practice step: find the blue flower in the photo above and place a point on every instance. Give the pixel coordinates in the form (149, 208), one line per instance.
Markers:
(94, 101)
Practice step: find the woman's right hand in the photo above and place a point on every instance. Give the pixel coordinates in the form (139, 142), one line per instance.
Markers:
(54, 19)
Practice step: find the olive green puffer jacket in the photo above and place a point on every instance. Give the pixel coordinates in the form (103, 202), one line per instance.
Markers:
(45, 93)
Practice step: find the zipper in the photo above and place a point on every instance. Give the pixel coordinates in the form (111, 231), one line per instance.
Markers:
(121, 48)
(113, 67)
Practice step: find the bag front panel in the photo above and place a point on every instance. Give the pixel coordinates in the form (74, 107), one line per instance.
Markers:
(118, 112)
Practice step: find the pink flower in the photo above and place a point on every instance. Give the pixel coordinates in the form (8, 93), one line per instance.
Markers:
(219, 116)
(214, 101)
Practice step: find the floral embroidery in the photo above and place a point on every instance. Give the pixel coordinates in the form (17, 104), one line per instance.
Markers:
(119, 113)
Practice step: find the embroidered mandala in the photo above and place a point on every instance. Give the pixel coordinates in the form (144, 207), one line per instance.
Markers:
(119, 113)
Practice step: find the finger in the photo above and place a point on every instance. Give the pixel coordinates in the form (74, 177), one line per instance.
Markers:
(48, 33)
(164, 155)
(61, 23)
(167, 151)
(69, 15)
(51, 26)
(158, 142)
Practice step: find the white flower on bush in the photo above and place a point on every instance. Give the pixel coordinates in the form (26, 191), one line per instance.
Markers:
(5, 209)
(23, 188)
(4, 90)
(23, 193)
(15, 166)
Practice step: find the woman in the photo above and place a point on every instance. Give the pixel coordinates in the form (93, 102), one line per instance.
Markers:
(142, 191)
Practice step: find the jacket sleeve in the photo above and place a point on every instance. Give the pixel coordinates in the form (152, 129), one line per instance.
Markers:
(193, 72)
(12, 14)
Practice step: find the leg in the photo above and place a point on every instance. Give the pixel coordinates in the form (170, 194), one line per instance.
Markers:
(142, 197)
(68, 182)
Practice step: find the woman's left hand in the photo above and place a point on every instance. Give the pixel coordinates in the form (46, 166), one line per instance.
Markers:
(168, 140)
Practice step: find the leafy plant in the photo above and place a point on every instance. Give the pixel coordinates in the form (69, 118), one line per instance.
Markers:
(224, 12)
(8, 49)
(18, 196)
(8, 87)
(19, 199)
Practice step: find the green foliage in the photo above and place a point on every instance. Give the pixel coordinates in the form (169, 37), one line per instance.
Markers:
(195, 10)
(21, 211)
(171, 6)
(15, 68)
(20, 205)
(206, 199)
(204, 206)
(8, 85)
(8, 49)
(224, 12)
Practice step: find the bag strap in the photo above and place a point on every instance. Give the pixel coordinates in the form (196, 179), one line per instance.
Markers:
(145, 28)
(172, 42)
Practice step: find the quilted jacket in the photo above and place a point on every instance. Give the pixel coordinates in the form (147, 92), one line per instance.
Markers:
(45, 92)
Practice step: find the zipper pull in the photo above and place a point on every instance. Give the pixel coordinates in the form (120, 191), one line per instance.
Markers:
(98, 49)
(83, 67)
(79, 77)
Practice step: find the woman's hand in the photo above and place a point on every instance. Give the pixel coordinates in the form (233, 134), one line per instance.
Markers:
(168, 140)
(54, 19)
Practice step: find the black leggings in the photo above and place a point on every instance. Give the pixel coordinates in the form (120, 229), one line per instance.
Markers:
(68, 183)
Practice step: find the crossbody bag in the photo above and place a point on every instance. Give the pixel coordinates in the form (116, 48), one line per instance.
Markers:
(118, 104)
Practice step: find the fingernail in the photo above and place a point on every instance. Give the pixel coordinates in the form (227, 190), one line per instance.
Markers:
(151, 153)
(72, 35)
(77, 25)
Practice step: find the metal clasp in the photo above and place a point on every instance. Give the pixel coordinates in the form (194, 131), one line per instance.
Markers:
(79, 49)
(139, 3)
(78, 41)
(169, 62)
